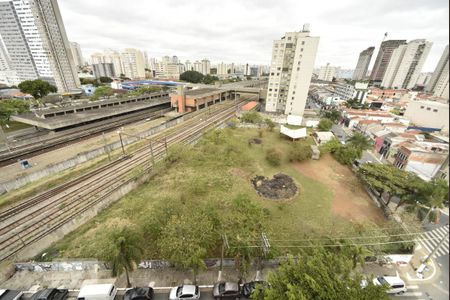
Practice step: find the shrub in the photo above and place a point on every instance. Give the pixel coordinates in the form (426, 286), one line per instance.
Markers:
(346, 155)
(273, 157)
(299, 152)
(270, 124)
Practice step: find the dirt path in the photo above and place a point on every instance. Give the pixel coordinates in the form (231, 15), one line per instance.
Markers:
(350, 199)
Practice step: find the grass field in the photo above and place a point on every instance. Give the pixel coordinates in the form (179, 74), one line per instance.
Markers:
(220, 168)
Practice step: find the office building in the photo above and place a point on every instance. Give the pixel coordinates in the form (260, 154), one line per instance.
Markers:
(293, 59)
(77, 55)
(104, 70)
(438, 84)
(15, 43)
(362, 66)
(327, 73)
(406, 64)
(383, 59)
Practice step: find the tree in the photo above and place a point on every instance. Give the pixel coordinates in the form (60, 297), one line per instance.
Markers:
(192, 76)
(119, 243)
(9, 107)
(103, 91)
(208, 79)
(359, 141)
(334, 115)
(347, 155)
(433, 194)
(320, 274)
(251, 117)
(187, 239)
(37, 88)
(325, 124)
(299, 152)
(146, 90)
(331, 146)
(104, 79)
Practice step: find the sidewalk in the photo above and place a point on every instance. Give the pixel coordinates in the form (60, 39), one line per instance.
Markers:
(409, 271)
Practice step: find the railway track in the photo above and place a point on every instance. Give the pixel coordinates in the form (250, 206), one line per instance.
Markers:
(74, 136)
(35, 218)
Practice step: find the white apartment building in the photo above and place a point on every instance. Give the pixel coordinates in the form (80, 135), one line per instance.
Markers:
(406, 64)
(222, 69)
(424, 79)
(293, 59)
(438, 84)
(362, 66)
(198, 66)
(133, 63)
(428, 114)
(188, 66)
(206, 67)
(49, 22)
(15, 43)
(4, 57)
(77, 54)
(327, 73)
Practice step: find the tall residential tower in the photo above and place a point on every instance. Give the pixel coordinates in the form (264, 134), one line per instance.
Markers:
(292, 65)
(383, 59)
(438, 84)
(363, 64)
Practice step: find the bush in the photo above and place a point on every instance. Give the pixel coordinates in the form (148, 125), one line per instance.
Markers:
(325, 124)
(270, 124)
(299, 152)
(273, 157)
(251, 117)
(331, 146)
(346, 155)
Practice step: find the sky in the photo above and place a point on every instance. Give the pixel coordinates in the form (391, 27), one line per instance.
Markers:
(243, 31)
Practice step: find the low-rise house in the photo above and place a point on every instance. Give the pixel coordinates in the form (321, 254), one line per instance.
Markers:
(322, 137)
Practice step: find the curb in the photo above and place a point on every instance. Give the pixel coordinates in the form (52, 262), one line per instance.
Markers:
(411, 279)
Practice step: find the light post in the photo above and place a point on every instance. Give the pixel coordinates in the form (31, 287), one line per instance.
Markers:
(121, 141)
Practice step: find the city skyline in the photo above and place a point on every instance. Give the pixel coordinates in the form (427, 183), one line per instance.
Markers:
(237, 34)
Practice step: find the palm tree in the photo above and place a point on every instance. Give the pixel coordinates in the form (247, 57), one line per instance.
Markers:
(360, 141)
(124, 254)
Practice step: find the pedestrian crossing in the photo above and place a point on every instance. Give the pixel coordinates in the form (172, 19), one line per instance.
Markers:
(430, 239)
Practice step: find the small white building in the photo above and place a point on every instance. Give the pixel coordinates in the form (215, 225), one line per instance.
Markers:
(428, 114)
(323, 137)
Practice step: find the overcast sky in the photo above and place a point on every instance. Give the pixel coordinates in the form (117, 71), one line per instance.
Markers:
(243, 30)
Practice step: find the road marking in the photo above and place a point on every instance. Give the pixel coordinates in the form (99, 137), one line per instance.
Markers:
(440, 288)
(412, 287)
(410, 294)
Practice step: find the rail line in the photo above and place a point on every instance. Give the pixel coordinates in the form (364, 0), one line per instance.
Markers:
(51, 210)
(75, 135)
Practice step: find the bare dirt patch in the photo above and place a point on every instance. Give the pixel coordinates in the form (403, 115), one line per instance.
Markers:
(281, 187)
(350, 200)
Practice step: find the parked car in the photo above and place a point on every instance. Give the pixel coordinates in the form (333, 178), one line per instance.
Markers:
(184, 292)
(97, 292)
(50, 294)
(249, 287)
(396, 284)
(226, 290)
(10, 295)
(145, 293)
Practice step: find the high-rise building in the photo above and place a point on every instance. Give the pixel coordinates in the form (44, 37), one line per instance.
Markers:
(4, 57)
(383, 59)
(406, 64)
(293, 59)
(189, 66)
(15, 43)
(34, 39)
(104, 70)
(54, 40)
(327, 73)
(362, 66)
(222, 69)
(133, 62)
(438, 84)
(206, 67)
(198, 66)
(77, 54)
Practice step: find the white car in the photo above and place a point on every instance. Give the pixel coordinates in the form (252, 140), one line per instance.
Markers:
(185, 292)
(396, 284)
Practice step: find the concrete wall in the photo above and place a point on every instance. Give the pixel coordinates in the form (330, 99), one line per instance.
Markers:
(86, 156)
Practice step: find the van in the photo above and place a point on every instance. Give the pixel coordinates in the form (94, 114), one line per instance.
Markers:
(97, 292)
(10, 295)
(396, 284)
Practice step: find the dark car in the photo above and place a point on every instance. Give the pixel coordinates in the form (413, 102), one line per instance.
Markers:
(226, 290)
(50, 294)
(249, 287)
(146, 293)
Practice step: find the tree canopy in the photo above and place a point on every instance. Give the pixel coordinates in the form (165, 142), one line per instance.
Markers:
(325, 124)
(192, 76)
(9, 107)
(103, 91)
(319, 274)
(37, 88)
(209, 79)
(360, 142)
(334, 115)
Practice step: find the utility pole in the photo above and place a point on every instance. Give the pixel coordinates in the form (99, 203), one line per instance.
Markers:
(121, 141)
(422, 267)
(106, 146)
